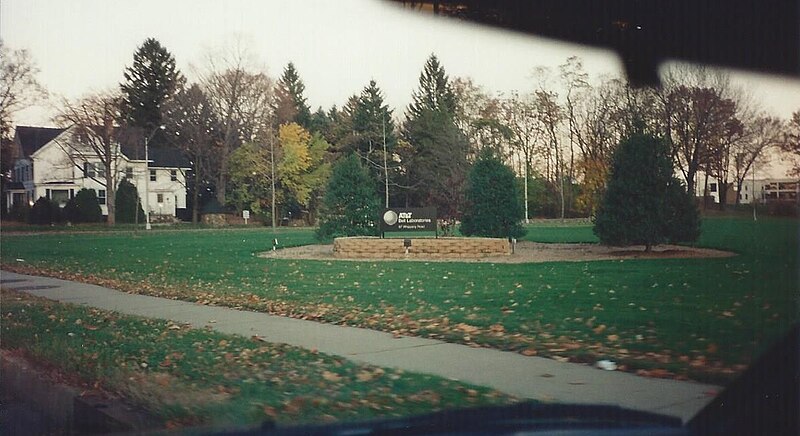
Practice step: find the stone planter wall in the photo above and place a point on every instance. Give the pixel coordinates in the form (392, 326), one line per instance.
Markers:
(437, 248)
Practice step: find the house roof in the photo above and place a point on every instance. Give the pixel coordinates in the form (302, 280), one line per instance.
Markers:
(32, 139)
(14, 186)
(163, 157)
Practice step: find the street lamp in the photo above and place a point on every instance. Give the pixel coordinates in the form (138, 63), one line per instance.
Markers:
(147, 176)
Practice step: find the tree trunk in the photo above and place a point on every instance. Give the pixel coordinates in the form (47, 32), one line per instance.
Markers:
(648, 247)
(195, 201)
(738, 198)
(111, 197)
(723, 194)
(690, 185)
(220, 194)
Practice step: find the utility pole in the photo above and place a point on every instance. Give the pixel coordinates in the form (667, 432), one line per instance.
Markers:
(753, 191)
(525, 172)
(272, 163)
(385, 166)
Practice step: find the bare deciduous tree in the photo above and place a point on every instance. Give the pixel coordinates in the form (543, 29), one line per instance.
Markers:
(194, 128)
(761, 133)
(18, 85)
(241, 97)
(95, 140)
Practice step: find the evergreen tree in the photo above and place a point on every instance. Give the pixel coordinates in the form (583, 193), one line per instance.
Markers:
(290, 104)
(83, 208)
(371, 119)
(435, 157)
(435, 92)
(644, 202)
(350, 206)
(372, 126)
(493, 207)
(320, 123)
(435, 163)
(149, 83)
(126, 202)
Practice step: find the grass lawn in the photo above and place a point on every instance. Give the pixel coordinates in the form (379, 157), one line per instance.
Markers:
(189, 376)
(699, 318)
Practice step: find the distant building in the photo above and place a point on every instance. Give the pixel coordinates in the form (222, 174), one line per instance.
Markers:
(759, 190)
(46, 166)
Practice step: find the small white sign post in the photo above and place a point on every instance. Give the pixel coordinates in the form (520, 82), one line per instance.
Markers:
(246, 216)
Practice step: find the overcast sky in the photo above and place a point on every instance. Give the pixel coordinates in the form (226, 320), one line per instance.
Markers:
(337, 46)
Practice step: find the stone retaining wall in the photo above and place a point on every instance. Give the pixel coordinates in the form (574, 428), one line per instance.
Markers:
(392, 248)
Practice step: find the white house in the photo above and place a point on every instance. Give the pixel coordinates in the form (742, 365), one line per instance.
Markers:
(49, 163)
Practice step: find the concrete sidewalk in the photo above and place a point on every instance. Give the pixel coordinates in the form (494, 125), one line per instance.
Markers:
(525, 377)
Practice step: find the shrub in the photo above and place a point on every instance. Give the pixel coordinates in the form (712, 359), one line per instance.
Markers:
(20, 212)
(351, 204)
(493, 206)
(127, 198)
(83, 208)
(644, 203)
(44, 212)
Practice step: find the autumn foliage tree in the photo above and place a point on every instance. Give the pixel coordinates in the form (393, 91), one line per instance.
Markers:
(302, 170)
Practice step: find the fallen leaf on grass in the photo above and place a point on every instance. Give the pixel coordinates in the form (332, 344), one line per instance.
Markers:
(331, 376)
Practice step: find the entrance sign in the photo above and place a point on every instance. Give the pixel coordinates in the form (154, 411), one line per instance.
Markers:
(422, 219)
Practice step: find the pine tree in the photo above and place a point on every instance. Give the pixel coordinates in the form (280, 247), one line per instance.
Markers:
(435, 159)
(290, 104)
(371, 119)
(493, 207)
(350, 206)
(149, 83)
(435, 92)
(435, 163)
(644, 202)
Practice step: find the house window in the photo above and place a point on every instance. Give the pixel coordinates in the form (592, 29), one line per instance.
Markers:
(88, 169)
(129, 172)
(745, 196)
(713, 187)
(173, 175)
(745, 187)
(160, 198)
(101, 196)
(101, 171)
(59, 196)
(152, 175)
